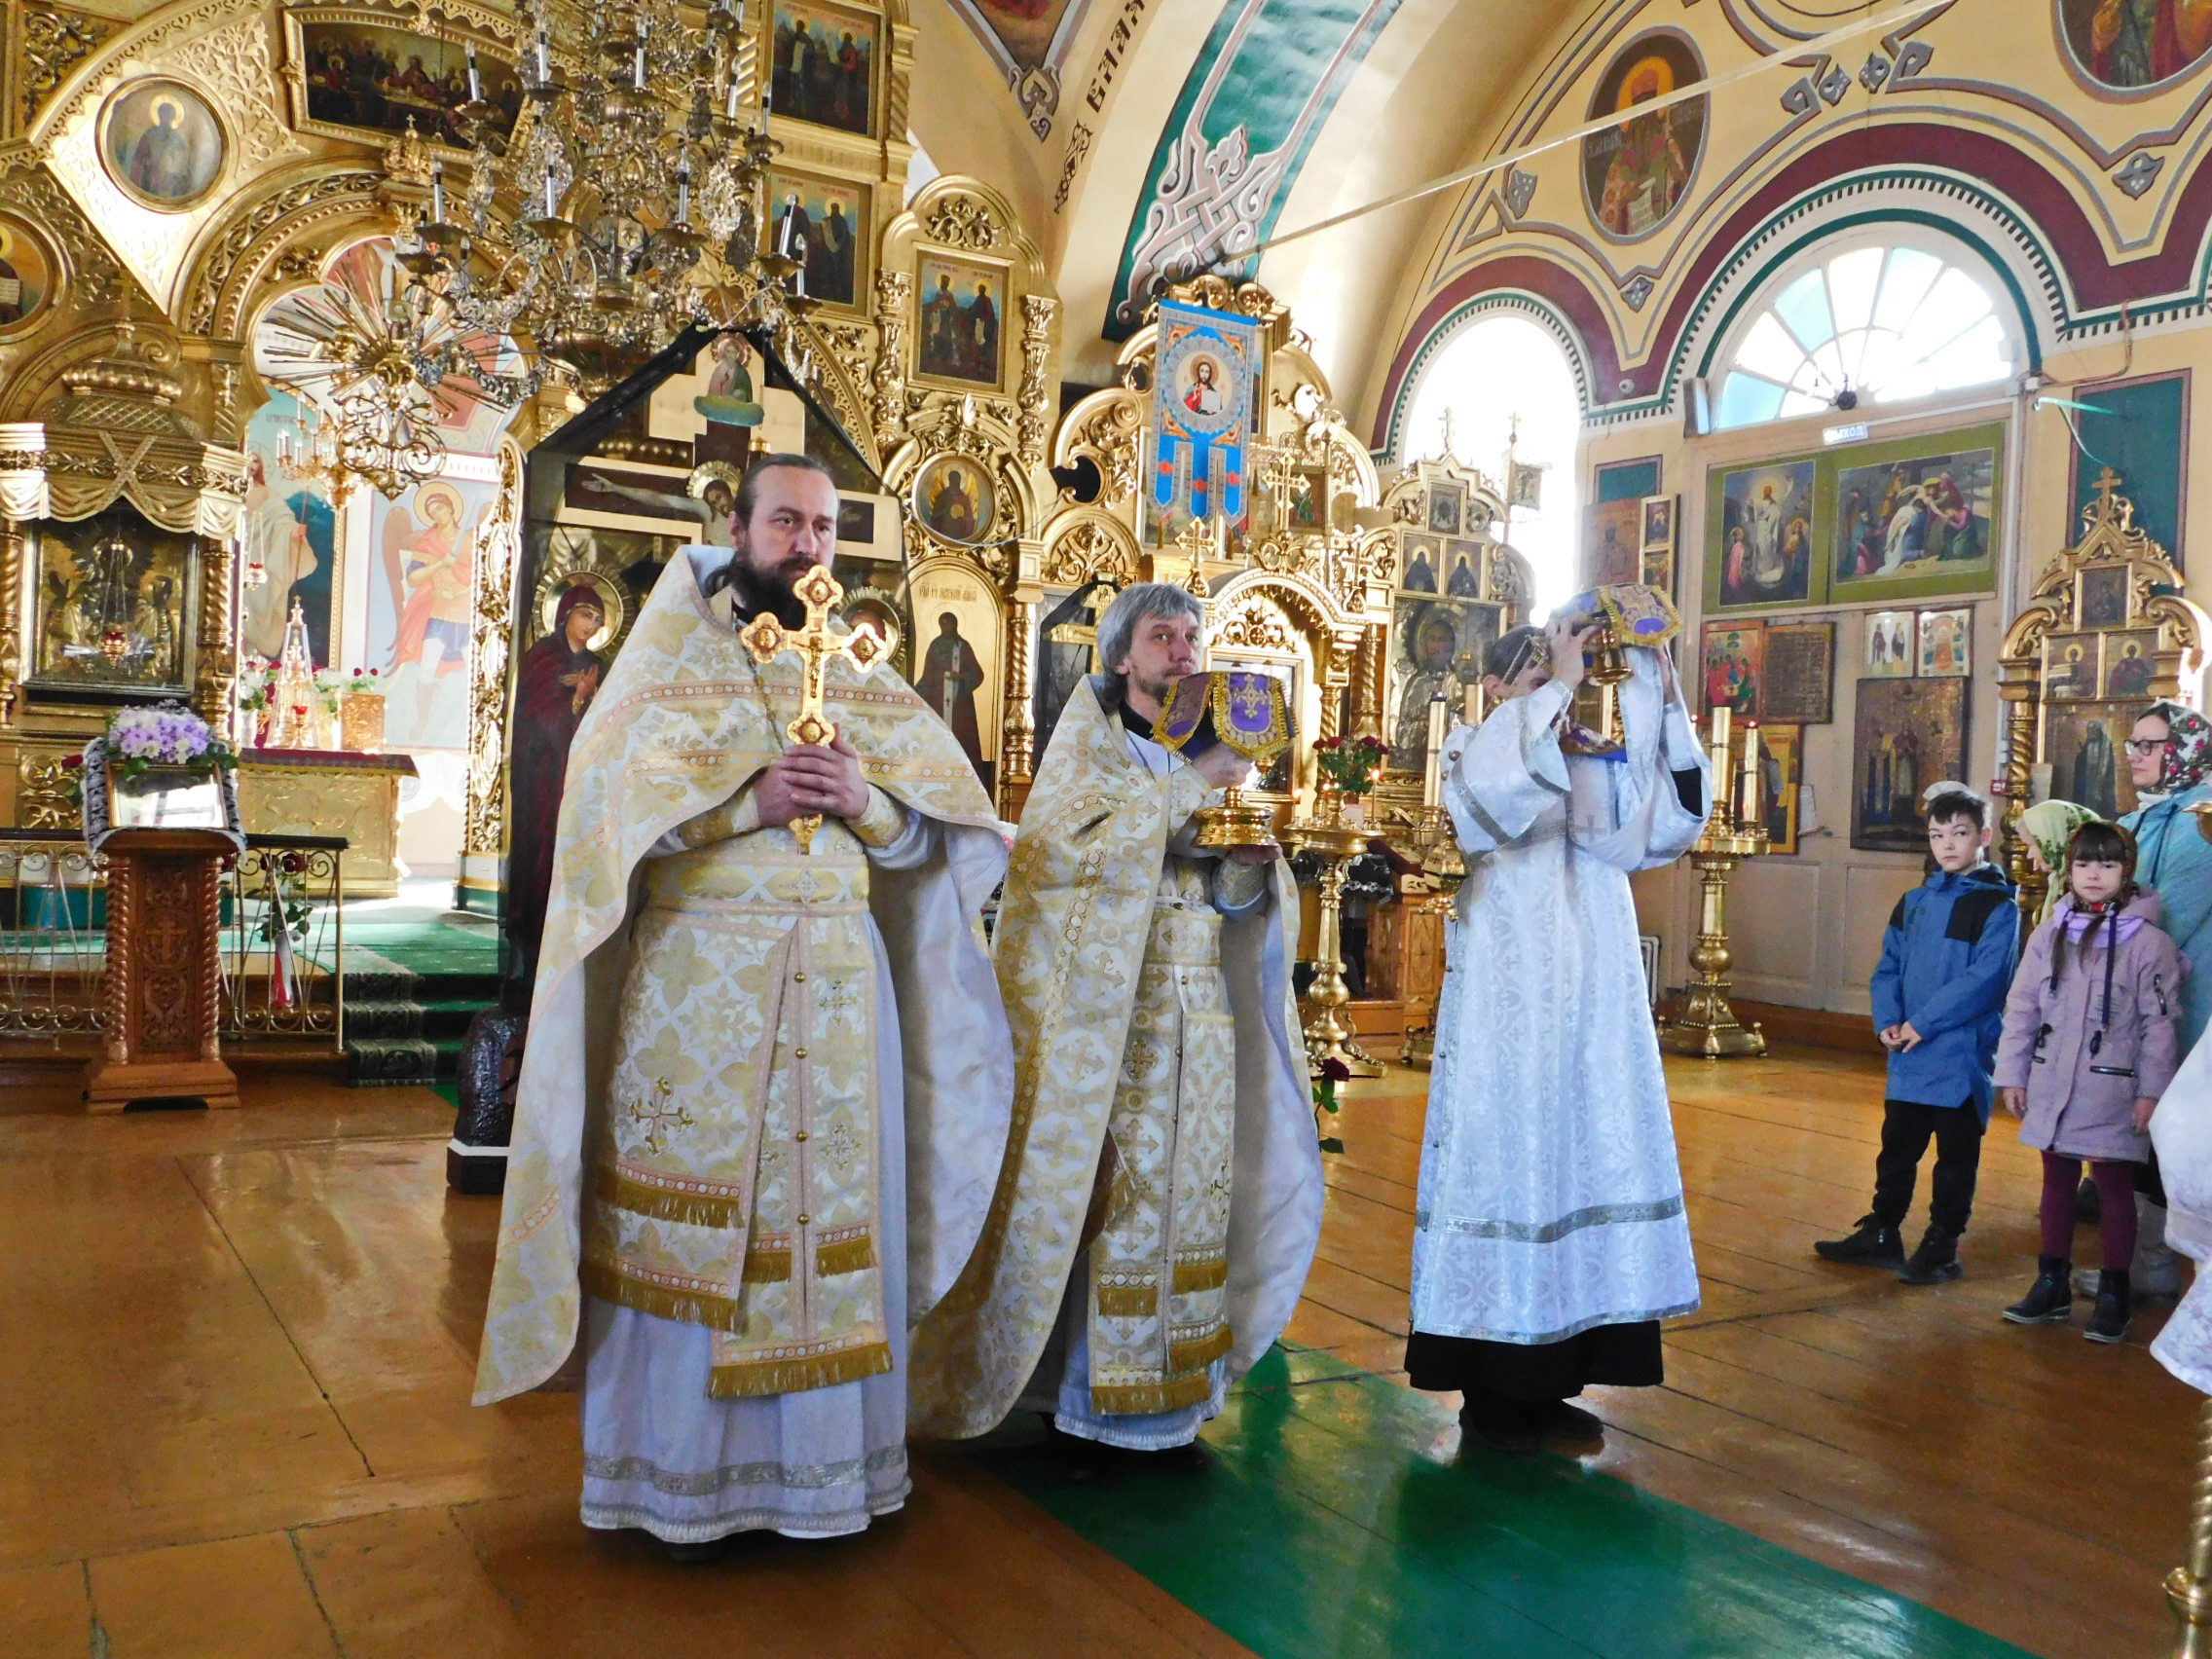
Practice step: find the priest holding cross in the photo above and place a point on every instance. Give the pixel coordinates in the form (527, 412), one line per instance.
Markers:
(768, 1076)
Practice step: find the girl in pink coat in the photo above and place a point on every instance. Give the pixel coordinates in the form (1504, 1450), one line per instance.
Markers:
(2091, 1040)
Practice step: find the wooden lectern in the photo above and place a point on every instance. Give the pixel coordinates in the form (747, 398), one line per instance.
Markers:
(162, 996)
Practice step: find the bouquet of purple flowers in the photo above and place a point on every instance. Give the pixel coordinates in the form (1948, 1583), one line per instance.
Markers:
(166, 734)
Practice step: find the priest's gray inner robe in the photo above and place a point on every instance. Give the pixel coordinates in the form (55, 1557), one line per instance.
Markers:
(1551, 1198)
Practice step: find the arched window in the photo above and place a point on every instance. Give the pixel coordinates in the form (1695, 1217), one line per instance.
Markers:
(1872, 324)
(1503, 380)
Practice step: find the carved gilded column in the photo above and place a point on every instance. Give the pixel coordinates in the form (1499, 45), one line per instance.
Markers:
(1035, 397)
(10, 616)
(1368, 668)
(894, 295)
(218, 667)
(496, 556)
(1018, 740)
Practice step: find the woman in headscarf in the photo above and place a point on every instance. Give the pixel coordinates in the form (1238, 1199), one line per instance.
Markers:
(2047, 827)
(2169, 756)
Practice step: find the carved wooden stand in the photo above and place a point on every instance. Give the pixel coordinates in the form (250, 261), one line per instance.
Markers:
(162, 995)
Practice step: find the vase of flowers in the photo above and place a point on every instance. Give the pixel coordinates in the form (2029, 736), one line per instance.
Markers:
(257, 679)
(162, 767)
(1349, 768)
(360, 712)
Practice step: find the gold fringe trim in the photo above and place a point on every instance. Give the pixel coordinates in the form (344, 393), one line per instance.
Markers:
(1210, 1273)
(1127, 1300)
(1200, 1351)
(797, 1376)
(1138, 1399)
(662, 1302)
(847, 1256)
(767, 1266)
(639, 1197)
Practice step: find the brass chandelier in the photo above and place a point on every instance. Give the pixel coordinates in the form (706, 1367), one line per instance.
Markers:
(626, 204)
(384, 370)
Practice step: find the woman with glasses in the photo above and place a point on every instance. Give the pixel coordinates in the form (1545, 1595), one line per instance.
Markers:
(2169, 758)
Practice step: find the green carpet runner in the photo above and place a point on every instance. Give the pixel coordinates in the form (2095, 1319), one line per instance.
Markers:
(1339, 1522)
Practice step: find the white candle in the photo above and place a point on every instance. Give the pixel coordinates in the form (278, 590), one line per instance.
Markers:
(1749, 808)
(683, 196)
(641, 63)
(438, 191)
(1432, 771)
(475, 83)
(551, 206)
(544, 56)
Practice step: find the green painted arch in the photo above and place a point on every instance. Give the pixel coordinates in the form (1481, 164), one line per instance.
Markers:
(1269, 70)
(1751, 284)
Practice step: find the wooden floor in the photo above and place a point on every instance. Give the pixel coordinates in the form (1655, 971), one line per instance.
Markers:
(234, 1351)
(2024, 1480)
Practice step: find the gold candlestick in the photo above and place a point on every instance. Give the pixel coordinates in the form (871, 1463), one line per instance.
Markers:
(1334, 844)
(1706, 1026)
(2189, 1588)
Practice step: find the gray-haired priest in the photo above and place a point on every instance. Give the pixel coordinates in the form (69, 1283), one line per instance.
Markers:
(766, 1092)
(1549, 1236)
(1162, 1194)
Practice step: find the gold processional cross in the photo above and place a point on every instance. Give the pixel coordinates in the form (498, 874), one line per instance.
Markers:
(816, 643)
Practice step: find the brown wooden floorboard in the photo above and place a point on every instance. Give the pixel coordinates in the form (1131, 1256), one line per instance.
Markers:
(234, 1413)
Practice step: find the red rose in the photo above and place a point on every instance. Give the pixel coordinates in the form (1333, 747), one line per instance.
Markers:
(1335, 1071)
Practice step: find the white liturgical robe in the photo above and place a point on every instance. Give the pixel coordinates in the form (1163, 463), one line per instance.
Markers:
(1551, 1198)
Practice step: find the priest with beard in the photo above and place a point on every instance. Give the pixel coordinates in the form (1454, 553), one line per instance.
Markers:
(766, 1082)
(1162, 1194)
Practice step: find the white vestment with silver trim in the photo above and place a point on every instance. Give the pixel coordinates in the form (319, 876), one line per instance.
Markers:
(1551, 1198)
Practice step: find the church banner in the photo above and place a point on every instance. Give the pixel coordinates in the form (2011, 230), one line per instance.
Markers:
(1204, 398)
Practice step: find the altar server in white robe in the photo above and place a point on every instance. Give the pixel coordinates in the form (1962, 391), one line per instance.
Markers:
(768, 1078)
(1550, 1237)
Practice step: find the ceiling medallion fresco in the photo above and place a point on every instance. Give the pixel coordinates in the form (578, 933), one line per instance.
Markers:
(2134, 46)
(1636, 175)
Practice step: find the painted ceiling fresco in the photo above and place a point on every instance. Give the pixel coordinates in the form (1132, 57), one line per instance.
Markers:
(2066, 150)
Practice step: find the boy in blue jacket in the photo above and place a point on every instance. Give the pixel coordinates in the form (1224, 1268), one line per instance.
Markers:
(1938, 1007)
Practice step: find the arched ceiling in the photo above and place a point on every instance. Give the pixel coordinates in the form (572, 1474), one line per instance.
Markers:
(1133, 132)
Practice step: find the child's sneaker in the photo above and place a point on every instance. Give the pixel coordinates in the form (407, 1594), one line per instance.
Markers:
(2049, 1300)
(1874, 1245)
(2109, 1323)
(1936, 1262)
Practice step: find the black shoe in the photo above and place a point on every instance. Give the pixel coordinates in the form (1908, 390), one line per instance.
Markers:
(1874, 1245)
(1190, 1458)
(2088, 1203)
(1081, 1461)
(2051, 1298)
(694, 1554)
(1493, 1421)
(1936, 1262)
(1561, 1420)
(2108, 1323)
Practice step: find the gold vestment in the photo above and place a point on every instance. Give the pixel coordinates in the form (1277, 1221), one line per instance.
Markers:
(702, 1053)
(1162, 1118)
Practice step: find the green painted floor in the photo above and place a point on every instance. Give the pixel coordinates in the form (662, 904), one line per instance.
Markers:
(1339, 1523)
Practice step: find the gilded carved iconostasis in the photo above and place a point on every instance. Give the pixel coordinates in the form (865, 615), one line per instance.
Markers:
(1848, 313)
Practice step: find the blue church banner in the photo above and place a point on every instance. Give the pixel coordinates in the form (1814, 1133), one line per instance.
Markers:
(1204, 395)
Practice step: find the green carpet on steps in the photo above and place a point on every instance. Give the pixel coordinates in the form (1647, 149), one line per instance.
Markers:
(431, 948)
(1335, 1524)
